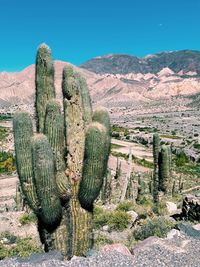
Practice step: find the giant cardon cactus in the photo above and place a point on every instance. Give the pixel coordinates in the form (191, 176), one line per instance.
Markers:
(61, 168)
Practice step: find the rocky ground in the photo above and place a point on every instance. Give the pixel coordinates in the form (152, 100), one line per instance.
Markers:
(181, 248)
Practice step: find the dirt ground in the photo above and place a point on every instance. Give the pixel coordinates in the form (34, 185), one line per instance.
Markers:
(138, 150)
(9, 220)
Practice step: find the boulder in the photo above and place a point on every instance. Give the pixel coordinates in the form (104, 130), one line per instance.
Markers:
(148, 242)
(133, 215)
(116, 247)
(173, 233)
(171, 208)
(191, 208)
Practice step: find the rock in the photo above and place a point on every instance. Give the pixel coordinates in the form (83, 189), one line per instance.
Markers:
(148, 242)
(191, 208)
(197, 195)
(133, 215)
(171, 208)
(91, 252)
(105, 228)
(173, 233)
(196, 226)
(4, 240)
(37, 258)
(116, 247)
(188, 230)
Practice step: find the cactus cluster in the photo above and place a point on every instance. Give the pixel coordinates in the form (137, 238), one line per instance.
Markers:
(162, 168)
(61, 168)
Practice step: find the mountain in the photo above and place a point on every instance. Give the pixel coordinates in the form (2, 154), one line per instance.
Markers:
(167, 89)
(185, 61)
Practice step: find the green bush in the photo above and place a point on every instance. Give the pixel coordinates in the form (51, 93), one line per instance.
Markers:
(23, 247)
(196, 146)
(3, 133)
(119, 129)
(181, 159)
(125, 206)
(160, 208)
(5, 117)
(9, 236)
(116, 220)
(7, 162)
(100, 217)
(158, 226)
(119, 220)
(101, 240)
(27, 218)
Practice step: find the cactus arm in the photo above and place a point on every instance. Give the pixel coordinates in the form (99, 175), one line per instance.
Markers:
(23, 131)
(54, 130)
(86, 100)
(44, 180)
(44, 81)
(95, 164)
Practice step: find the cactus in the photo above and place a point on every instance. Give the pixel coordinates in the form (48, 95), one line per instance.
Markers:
(118, 171)
(106, 192)
(141, 188)
(62, 167)
(132, 189)
(164, 174)
(19, 198)
(174, 188)
(170, 159)
(128, 176)
(156, 150)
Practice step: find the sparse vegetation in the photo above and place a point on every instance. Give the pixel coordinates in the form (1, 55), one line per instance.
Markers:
(116, 220)
(101, 240)
(119, 155)
(172, 136)
(143, 162)
(7, 163)
(17, 246)
(125, 206)
(3, 133)
(196, 146)
(119, 129)
(115, 146)
(181, 159)
(5, 117)
(158, 226)
(28, 218)
(146, 129)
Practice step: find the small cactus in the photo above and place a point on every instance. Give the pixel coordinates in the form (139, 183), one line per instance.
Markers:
(156, 150)
(164, 173)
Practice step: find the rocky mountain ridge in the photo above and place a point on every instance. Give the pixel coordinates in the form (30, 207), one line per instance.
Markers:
(130, 93)
(184, 60)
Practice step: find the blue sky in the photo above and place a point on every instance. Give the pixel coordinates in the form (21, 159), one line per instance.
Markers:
(78, 30)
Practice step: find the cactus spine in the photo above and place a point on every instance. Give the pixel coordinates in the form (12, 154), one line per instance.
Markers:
(61, 169)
